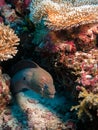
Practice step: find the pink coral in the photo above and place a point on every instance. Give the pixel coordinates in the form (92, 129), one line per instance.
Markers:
(75, 50)
(21, 5)
(1, 20)
(88, 32)
(66, 46)
(26, 3)
(86, 37)
(2, 3)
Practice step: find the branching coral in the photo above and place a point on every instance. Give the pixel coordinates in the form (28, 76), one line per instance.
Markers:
(89, 102)
(59, 15)
(8, 42)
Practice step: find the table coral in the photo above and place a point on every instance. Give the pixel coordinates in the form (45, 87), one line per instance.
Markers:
(8, 42)
(59, 15)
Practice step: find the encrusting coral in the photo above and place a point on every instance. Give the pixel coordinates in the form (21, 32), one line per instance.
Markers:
(8, 42)
(59, 15)
(5, 95)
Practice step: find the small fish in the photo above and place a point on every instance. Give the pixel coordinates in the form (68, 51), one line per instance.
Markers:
(28, 75)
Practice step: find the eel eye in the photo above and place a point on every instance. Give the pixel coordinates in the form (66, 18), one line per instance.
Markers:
(45, 86)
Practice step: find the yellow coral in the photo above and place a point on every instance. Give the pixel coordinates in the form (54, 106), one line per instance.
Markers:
(8, 42)
(59, 15)
(89, 101)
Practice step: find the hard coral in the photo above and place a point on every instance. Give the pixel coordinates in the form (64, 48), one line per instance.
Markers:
(59, 15)
(88, 103)
(8, 42)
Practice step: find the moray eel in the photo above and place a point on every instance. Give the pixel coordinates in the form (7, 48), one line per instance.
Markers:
(28, 75)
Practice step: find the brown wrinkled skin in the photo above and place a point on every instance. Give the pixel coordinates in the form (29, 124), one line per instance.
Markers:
(36, 79)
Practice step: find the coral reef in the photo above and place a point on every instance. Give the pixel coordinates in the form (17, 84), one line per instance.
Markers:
(5, 95)
(88, 104)
(8, 42)
(62, 37)
(58, 15)
(69, 49)
(86, 67)
(20, 5)
(8, 14)
(8, 49)
(72, 59)
(40, 116)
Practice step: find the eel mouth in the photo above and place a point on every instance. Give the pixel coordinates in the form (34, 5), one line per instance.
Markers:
(49, 95)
